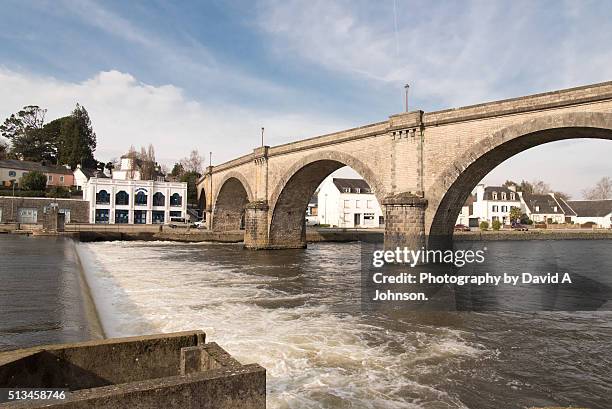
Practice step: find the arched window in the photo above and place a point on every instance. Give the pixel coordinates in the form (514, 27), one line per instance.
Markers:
(102, 197)
(140, 198)
(159, 199)
(176, 200)
(122, 198)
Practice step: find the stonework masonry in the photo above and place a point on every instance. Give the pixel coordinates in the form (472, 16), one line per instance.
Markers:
(437, 156)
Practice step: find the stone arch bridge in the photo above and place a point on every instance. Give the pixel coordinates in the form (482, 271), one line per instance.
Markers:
(421, 165)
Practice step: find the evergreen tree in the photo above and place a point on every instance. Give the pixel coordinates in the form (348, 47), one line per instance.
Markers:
(77, 140)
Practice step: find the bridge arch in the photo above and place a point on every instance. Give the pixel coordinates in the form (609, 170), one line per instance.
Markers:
(290, 196)
(230, 200)
(451, 189)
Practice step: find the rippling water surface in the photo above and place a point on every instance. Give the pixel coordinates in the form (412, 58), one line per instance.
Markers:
(297, 313)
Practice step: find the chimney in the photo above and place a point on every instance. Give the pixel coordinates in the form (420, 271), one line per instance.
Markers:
(480, 192)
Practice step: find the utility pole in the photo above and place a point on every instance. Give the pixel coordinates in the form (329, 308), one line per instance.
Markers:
(406, 88)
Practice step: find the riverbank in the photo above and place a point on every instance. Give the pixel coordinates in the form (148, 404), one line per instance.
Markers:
(95, 233)
(315, 235)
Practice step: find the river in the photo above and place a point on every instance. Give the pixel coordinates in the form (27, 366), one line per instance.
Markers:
(297, 313)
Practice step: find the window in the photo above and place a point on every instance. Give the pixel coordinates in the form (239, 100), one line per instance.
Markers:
(369, 204)
(140, 217)
(102, 197)
(511, 196)
(381, 220)
(347, 190)
(62, 179)
(357, 204)
(158, 216)
(102, 216)
(368, 216)
(504, 208)
(494, 194)
(12, 173)
(347, 204)
(140, 198)
(503, 195)
(122, 198)
(176, 200)
(121, 216)
(357, 190)
(50, 178)
(494, 208)
(176, 214)
(159, 199)
(537, 208)
(347, 217)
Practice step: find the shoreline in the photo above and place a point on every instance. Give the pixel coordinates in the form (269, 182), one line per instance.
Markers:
(330, 235)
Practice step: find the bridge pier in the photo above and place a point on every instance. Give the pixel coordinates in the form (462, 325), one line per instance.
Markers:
(256, 225)
(405, 221)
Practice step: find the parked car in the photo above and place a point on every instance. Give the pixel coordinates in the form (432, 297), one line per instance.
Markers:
(312, 221)
(461, 227)
(520, 227)
(200, 224)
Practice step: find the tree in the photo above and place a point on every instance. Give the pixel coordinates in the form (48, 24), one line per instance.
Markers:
(33, 180)
(192, 179)
(110, 165)
(601, 190)
(515, 214)
(148, 166)
(496, 225)
(3, 150)
(25, 132)
(177, 170)
(525, 219)
(193, 163)
(77, 140)
(484, 225)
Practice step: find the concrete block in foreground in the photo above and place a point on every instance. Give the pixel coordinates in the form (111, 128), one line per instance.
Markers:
(177, 370)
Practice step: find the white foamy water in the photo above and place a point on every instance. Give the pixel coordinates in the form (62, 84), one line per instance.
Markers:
(282, 311)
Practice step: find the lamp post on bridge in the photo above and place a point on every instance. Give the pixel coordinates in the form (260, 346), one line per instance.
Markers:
(406, 88)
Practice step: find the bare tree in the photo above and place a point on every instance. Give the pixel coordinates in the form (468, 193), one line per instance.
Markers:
(147, 163)
(193, 163)
(601, 190)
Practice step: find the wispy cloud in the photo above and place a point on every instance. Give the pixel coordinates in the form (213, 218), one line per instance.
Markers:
(451, 53)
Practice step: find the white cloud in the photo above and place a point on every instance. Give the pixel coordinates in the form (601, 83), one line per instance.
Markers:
(127, 112)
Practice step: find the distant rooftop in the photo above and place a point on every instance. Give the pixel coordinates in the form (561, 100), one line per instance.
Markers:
(352, 185)
(32, 166)
(591, 208)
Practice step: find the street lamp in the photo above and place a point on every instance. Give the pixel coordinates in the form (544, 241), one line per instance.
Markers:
(406, 87)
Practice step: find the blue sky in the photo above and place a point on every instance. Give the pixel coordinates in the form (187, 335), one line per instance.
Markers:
(209, 74)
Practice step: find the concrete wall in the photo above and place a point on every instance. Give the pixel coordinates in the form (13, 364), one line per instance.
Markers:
(79, 209)
(157, 371)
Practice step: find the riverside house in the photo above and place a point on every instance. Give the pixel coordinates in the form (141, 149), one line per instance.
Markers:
(13, 170)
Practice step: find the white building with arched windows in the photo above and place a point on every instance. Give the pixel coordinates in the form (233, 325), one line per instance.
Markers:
(128, 201)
